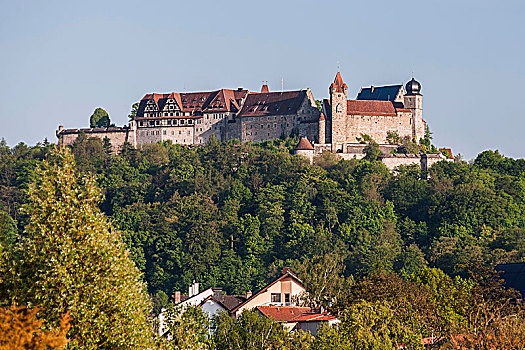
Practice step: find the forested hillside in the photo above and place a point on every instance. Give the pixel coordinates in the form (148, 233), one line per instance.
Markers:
(233, 215)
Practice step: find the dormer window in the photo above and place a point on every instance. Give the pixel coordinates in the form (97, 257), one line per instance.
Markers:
(276, 297)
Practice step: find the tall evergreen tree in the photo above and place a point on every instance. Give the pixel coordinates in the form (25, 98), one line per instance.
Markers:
(72, 261)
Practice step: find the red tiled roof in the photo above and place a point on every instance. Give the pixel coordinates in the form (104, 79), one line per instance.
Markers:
(338, 83)
(304, 145)
(265, 88)
(283, 313)
(272, 103)
(364, 107)
(449, 151)
(224, 100)
(313, 317)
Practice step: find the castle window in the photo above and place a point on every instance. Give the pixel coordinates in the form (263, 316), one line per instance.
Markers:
(173, 132)
(338, 108)
(164, 132)
(180, 132)
(147, 133)
(166, 114)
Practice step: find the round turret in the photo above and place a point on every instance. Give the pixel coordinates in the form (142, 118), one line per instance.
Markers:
(413, 87)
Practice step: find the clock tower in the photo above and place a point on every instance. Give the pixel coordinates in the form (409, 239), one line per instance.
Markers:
(338, 97)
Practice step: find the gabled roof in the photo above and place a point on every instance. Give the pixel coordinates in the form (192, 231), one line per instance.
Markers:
(377, 108)
(272, 103)
(380, 93)
(304, 145)
(224, 100)
(283, 313)
(228, 302)
(285, 275)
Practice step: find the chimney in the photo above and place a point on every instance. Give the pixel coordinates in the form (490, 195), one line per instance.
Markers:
(217, 293)
(193, 290)
(176, 297)
(239, 89)
(286, 270)
(372, 88)
(60, 128)
(249, 295)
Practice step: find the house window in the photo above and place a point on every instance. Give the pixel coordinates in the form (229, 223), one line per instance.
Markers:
(286, 297)
(276, 298)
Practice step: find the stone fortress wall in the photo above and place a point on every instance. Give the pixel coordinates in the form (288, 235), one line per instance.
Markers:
(192, 118)
(117, 136)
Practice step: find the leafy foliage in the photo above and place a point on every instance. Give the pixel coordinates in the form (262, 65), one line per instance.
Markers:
(99, 119)
(71, 261)
(20, 329)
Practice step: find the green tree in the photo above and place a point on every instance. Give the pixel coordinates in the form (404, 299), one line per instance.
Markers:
(99, 119)
(72, 261)
(372, 151)
(371, 325)
(323, 279)
(250, 331)
(187, 329)
(134, 109)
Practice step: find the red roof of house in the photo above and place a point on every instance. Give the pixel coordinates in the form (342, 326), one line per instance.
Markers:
(283, 313)
(313, 317)
(449, 151)
(304, 145)
(272, 103)
(321, 117)
(364, 107)
(265, 88)
(224, 100)
(338, 83)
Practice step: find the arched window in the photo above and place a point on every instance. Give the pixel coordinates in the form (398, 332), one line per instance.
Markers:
(338, 108)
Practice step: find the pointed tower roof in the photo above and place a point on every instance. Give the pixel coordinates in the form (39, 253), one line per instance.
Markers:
(304, 145)
(265, 89)
(338, 83)
(321, 117)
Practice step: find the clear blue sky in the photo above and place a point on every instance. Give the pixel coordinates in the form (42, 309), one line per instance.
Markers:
(59, 60)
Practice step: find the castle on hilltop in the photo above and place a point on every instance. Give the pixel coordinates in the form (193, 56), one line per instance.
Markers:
(338, 126)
